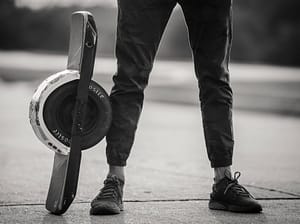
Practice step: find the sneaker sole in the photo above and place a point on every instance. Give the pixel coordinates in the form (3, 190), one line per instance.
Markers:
(215, 205)
(106, 209)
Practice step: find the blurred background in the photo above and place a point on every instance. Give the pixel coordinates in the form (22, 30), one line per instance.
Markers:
(264, 32)
(265, 53)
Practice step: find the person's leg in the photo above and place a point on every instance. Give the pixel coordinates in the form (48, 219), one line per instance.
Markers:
(118, 171)
(209, 25)
(221, 172)
(140, 26)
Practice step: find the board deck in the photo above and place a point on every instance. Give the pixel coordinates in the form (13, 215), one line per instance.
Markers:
(65, 172)
(59, 173)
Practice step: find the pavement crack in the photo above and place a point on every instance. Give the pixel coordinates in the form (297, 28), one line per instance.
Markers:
(273, 190)
(148, 201)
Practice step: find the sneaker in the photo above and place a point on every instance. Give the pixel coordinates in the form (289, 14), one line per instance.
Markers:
(229, 195)
(109, 200)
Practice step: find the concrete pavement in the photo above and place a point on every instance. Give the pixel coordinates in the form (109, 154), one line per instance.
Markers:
(167, 181)
(156, 212)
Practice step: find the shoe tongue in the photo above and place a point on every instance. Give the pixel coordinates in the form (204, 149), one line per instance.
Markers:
(114, 178)
(225, 180)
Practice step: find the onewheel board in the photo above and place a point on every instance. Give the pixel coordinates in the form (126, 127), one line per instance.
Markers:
(69, 112)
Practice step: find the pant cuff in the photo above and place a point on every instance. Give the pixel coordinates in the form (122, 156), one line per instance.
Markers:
(116, 163)
(217, 164)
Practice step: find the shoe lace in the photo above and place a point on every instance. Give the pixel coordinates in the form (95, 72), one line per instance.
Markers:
(110, 189)
(236, 187)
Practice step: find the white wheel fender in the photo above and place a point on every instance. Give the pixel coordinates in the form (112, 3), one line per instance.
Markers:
(37, 106)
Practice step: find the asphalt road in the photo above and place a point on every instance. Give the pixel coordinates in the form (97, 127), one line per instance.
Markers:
(262, 88)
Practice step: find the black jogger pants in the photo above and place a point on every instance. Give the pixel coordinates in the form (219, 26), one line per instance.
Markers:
(140, 26)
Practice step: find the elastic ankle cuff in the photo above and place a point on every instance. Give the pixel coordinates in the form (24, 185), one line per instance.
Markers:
(116, 163)
(217, 164)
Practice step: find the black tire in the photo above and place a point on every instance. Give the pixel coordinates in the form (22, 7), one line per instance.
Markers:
(58, 114)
